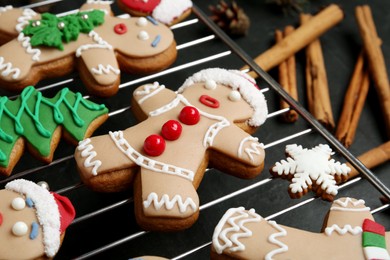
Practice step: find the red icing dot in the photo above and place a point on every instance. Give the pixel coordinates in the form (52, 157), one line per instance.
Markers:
(171, 130)
(154, 145)
(189, 115)
(120, 28)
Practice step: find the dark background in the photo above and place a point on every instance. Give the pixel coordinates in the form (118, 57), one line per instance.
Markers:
(340, 45)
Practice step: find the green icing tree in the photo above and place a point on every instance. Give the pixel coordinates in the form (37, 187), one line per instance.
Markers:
(35, 118)
(52, 31)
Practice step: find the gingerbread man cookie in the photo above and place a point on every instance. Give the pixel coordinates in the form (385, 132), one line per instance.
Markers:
(40, 122)
(99, 44)
(183, 132)
(349, 233)
(32, 221)
(311, 169)
(168, 12)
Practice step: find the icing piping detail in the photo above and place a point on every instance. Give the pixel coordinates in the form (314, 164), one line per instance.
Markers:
(25, 41)
(272, 239)
(147, 91)
(146, 162)
(27, 15)
(100, 43)
(344, 230)
(236, 226)
(253, 147)
(86, 149)
(213, 130)
(101, 69)
(5, 8)
(7, 69)
(169, 204)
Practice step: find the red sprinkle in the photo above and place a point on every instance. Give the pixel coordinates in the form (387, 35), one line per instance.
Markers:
(189, 115)
(171, 130)
(154, 145)
(120, 28)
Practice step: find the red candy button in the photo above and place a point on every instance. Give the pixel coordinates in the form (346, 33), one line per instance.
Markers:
(189, 115)
(171, 130)
(120, 28)
(154, 145)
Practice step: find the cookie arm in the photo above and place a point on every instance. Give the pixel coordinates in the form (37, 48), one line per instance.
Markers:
(238, 145)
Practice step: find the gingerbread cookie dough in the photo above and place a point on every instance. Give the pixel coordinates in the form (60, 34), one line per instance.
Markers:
(205, 123)
(39, 123)
(100, 45)
(350, 232)
(32, 221)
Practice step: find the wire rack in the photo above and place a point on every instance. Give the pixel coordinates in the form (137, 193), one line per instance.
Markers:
(105, 226)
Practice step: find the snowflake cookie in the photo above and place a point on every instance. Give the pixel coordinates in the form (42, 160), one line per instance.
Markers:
(311, 169)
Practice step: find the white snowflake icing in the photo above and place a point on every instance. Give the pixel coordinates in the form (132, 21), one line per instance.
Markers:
(310, 166)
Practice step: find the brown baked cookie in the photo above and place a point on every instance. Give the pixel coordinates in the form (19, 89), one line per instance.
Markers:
(311, 169)
(32, 221)
(205, 123)
(40, 123)
(168, 12)
(349, 233)
(97, 43)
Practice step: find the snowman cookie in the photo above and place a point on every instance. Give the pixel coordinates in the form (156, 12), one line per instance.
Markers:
(168, 12)
(100, 45)
(349, 232)
(205, 123)
(32, 221)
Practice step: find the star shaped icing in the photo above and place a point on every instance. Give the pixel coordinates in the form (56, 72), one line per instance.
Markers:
(311, 169)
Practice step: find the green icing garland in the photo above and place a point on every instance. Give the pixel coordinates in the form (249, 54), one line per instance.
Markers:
(35, 118)
(52, 31)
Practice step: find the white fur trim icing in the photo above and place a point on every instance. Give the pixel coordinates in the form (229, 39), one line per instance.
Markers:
(46, 211)
(239, 81)
(167, 10)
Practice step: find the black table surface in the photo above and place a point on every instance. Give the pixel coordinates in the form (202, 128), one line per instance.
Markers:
(114, 234)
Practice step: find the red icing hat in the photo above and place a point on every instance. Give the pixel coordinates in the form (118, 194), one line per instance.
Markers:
(66, 210)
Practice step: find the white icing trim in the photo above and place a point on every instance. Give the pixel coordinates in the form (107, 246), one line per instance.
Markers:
(239, 81)
(373, 252)
(149, 90)
(7, 69)
(27, 15)
(235, 225)
(6, 8)
(344, 205)
(101, 69)
(167, 10)
(25, 41)
(272, 239)
(102, 2)
(169, 204)
(344, 230)
(100, 44)
(87, 152)
(46, 210)
(253, 147)
(146, 162)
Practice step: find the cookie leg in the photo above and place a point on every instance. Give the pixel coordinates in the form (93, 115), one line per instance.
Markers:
(164, 202)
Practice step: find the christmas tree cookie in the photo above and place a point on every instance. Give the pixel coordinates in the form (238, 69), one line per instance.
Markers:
(40, 122)
(349, 232)
(99, 45)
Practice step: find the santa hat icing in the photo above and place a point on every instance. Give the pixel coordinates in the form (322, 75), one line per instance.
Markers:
(239, 81)
(54, 212)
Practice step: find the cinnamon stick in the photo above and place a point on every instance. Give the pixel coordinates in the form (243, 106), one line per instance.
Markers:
(372, 158)
(316, 82)
(287, 77)
(375, 59)
(354, 100)
(301, 37)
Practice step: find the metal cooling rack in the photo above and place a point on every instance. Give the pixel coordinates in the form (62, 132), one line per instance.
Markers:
(105, 227)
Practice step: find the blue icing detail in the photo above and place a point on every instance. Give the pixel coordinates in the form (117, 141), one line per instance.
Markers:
(34, 230)
(29, 202)
(152, 20)
(156, 41)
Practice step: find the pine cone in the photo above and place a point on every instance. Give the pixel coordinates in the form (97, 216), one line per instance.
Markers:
(230, 18)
